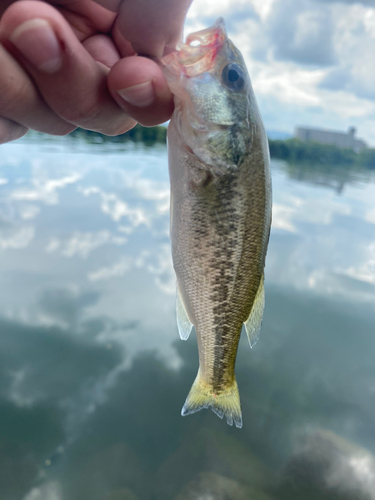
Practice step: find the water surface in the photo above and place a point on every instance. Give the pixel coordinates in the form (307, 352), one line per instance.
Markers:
(93, 375)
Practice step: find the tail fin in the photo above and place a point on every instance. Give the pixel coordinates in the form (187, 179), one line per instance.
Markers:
(227, 403)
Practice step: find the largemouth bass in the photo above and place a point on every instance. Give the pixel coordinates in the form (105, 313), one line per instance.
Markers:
(220, 210)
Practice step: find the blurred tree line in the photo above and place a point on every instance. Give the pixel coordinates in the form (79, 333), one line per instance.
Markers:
(291, 150)
(295, 151)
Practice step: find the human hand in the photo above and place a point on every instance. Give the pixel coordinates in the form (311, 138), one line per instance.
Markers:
(72, 64)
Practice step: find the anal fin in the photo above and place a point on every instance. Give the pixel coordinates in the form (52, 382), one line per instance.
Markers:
(183, 322)
(254, 321)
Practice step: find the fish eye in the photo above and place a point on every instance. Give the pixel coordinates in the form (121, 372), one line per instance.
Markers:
(233, 77)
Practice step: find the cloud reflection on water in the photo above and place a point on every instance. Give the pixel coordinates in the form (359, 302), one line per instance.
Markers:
(132, 436)
(92, 376)
(83, 243)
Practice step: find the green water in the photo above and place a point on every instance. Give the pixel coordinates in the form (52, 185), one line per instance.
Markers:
(92, 372)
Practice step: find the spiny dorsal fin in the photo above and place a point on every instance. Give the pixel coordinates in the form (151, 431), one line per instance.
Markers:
(254, 321)
(183, 322)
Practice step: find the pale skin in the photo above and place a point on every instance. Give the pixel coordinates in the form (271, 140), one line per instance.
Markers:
(80, 63)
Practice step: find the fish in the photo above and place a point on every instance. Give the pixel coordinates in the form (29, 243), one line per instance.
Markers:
(219, 168)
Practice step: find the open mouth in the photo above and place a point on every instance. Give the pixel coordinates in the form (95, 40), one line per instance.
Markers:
(197, 55)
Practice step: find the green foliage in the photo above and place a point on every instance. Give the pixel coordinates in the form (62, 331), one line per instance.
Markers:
(294, 150)
(367, 158)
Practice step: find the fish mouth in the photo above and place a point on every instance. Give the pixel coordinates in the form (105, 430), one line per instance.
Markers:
(197, 54)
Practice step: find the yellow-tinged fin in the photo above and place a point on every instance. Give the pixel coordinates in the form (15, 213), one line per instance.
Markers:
(254, 321)
(183, 322)
(224, 404)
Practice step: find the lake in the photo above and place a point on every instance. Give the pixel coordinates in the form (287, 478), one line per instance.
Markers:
(93, 375)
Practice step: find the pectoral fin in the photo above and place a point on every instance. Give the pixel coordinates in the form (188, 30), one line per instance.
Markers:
(183, 322)
(254, 321)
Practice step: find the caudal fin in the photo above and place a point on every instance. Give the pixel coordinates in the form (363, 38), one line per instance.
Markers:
(226, 403)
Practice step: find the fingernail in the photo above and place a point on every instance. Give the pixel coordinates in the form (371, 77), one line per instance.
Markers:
(140, 95)
(36, 40)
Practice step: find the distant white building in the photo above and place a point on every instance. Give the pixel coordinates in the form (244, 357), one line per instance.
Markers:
(340, 139)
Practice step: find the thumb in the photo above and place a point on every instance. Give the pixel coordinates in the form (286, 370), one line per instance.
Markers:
(152, 26)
